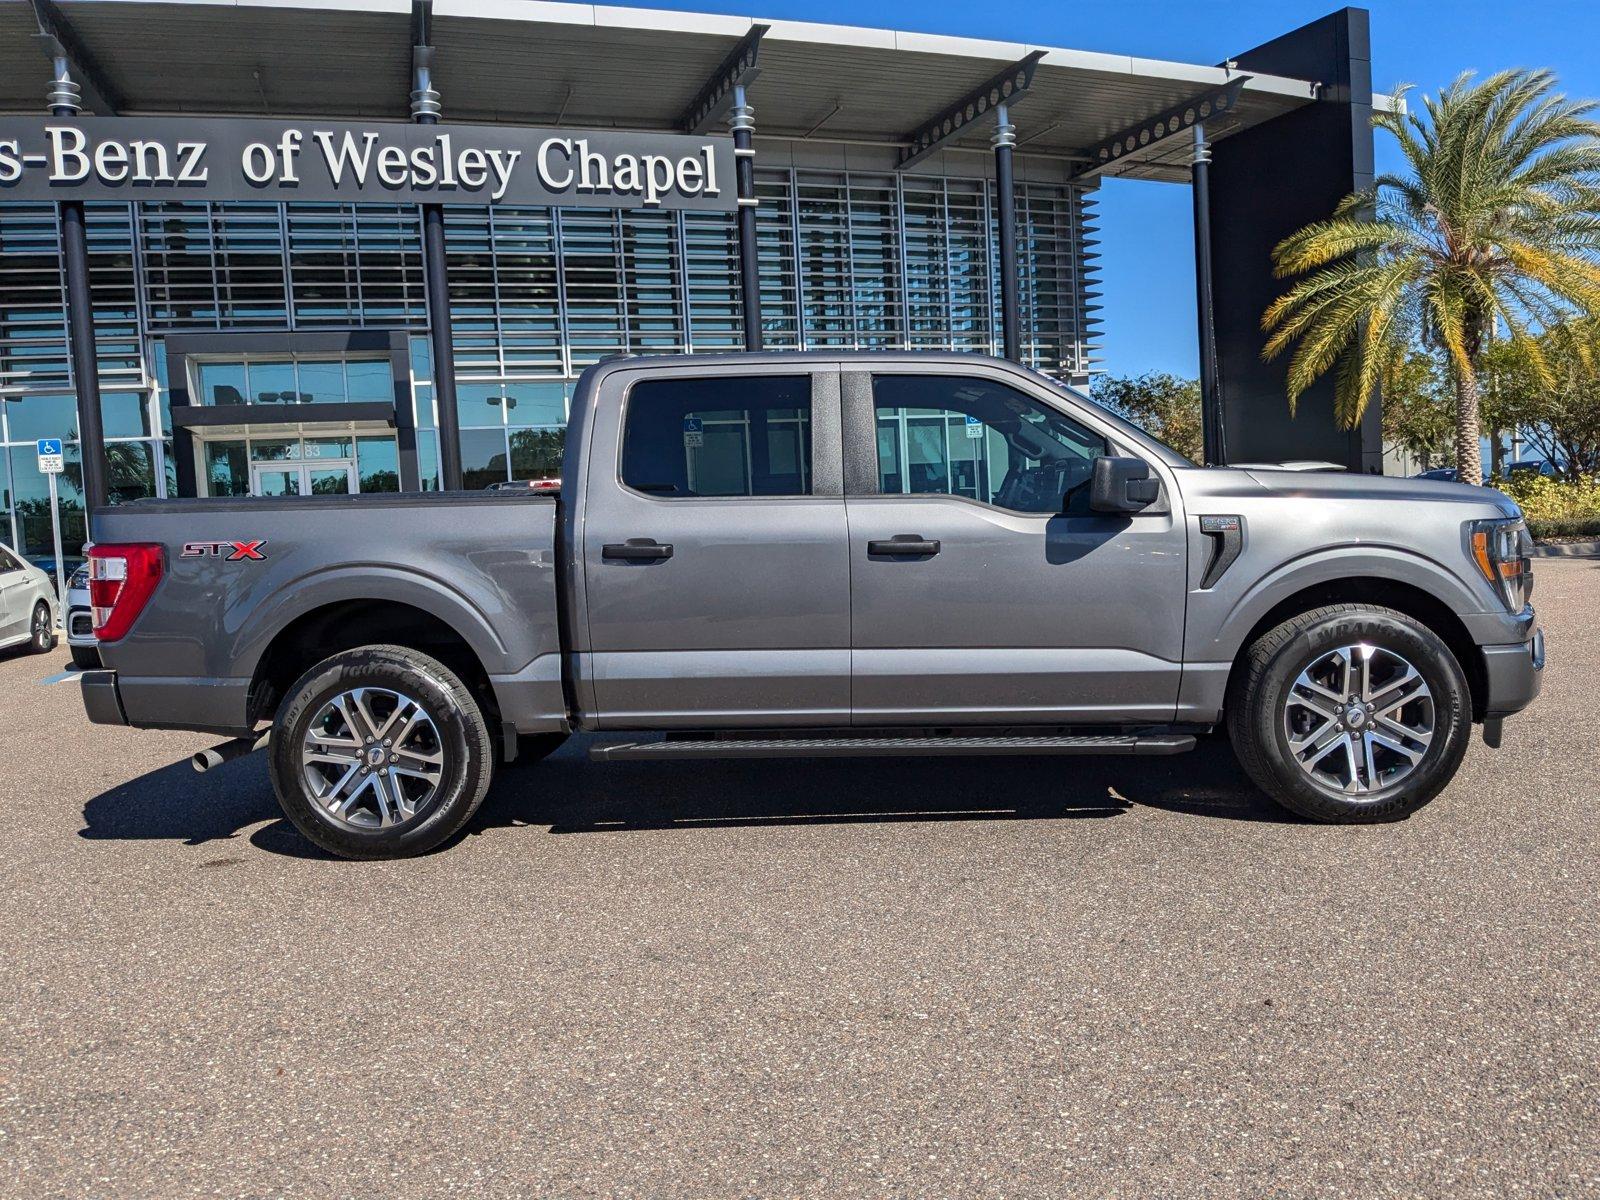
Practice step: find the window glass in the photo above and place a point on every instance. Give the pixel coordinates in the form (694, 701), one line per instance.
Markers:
(479, 404)
(227, 469)
(958, 436)
(424, 401)
(273, 383)
(535, 403)
(275, 450)
(321, 381)
(30, 417)
(428, 460)
(132, 471)
(7, 563)
(369, 380)
(421, 359)
(221, 383)
(125, 414)
(728, 436)
(483, 458)
(378, 461)
(536, 453)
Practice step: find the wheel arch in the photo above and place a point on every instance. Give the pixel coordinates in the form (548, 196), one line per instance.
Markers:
(1383, 592)
(338, 625)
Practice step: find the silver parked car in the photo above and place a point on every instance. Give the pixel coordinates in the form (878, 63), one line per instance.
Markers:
(28, 607)
(80, 621)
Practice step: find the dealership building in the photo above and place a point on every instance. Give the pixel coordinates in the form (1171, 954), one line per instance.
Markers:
(312, 246)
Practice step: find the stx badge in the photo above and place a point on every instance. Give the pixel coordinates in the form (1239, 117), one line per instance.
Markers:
(228, 551)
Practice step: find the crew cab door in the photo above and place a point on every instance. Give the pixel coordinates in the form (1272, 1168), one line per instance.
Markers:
(983, 589)
(714, 551)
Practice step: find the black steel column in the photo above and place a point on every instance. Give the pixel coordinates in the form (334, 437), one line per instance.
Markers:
(1005, 141)
(1210, 393)
(63, 101)
(425, 110)
(742, 121)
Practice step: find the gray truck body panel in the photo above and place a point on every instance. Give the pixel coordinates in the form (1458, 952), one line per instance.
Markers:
(770, 613)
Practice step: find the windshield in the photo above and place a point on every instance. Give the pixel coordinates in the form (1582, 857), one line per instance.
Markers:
(1143, 436)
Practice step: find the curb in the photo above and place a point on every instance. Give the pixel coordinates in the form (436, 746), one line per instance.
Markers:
(1584, 549)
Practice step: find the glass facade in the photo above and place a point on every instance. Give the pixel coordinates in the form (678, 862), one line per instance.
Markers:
(849, 260)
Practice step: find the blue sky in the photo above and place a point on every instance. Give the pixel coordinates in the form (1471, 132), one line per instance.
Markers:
(1145, 229)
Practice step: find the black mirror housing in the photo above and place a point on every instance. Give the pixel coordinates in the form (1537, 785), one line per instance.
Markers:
(1122, 485)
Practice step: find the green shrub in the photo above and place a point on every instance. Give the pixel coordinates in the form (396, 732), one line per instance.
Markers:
(1556, 507)
(1565, 527)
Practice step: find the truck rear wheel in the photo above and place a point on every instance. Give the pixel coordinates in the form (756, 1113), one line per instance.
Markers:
(1350, 714)
(380, 752)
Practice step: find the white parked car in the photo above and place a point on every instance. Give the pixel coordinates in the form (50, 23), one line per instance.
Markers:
(80, 621)
(28, 606)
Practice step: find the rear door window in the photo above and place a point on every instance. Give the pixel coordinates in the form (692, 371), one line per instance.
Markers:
(721, 436)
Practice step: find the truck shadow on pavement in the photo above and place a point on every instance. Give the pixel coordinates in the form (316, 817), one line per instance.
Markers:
(568, 794)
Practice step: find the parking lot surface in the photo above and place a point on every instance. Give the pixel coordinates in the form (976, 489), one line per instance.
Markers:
(1107, 977)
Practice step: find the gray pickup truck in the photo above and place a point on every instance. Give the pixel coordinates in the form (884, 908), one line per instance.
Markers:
(809, 554)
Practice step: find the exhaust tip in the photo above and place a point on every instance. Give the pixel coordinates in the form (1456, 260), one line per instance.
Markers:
(205, 760)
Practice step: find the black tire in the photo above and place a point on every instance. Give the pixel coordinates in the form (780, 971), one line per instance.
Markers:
(86, 658)
(463, 744)
(42, 634)
(1259, 691)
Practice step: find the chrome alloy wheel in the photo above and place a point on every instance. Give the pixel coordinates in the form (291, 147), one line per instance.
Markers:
(372, 759)
(41, 624)
(1359, 719)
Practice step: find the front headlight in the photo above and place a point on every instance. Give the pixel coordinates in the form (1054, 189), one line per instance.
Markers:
(1502, 552)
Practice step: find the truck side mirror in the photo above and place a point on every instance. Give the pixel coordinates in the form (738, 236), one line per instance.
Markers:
(1122, 485)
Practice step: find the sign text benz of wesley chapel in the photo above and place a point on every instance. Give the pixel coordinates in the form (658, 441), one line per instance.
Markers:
(130, 158)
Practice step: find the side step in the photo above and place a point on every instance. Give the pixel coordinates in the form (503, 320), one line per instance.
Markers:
(846, 746)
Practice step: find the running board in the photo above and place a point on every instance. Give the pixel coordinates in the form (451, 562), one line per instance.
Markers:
(869, 747)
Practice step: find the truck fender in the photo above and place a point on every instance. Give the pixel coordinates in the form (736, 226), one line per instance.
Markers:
(1223, 641)
(368, 583)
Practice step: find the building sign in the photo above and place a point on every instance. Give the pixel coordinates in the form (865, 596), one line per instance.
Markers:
(179, 158)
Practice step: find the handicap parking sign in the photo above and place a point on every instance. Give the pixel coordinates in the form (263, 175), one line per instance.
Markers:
(50, 456)
(694, 432)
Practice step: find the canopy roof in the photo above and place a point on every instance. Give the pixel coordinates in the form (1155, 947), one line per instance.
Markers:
(586, 66)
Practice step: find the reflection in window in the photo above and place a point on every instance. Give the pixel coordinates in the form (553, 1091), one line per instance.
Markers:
(960, 436)
(724, 436)
(536, 453)
(227, 469)
(295, 381)
(378, 462)
(483, 458)
(130, 471)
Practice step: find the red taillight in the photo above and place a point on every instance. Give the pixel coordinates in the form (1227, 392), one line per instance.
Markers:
(121, 579)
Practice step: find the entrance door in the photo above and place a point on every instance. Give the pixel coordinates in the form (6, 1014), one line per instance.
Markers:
(715, 562)
(982, 586)
(319, 478)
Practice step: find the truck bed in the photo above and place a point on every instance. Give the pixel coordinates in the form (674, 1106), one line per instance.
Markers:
(482, 563)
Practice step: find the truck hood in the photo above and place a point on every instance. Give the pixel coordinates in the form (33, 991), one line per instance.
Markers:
(1341, 487)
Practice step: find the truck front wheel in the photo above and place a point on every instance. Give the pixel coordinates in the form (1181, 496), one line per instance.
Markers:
(380, 752)
(1350, 713)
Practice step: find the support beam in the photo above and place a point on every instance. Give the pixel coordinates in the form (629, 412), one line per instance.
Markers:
(738, 70)
(1005, 141)
(1155, 134)
(1216, 453)
(63, 101)
(425, 110)
(742, 121)
(1005, 88)
(60, 41)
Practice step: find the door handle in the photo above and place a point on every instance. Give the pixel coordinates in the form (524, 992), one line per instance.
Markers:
(637, 550)
(905, 545)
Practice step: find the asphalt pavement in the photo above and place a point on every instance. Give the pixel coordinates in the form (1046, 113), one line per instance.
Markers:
(1067, 977)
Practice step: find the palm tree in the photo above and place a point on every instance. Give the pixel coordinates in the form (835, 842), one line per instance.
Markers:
(1495, 221)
